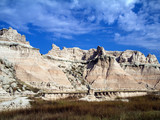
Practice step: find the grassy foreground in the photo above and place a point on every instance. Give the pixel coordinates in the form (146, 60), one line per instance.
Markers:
(139, 108)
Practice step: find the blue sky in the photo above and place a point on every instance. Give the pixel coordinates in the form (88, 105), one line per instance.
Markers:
(114, 24)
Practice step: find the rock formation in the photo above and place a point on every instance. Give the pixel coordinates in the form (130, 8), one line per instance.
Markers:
(111, 70)
(23, 68)
(29, 65)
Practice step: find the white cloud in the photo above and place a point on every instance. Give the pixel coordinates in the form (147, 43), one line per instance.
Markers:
(54, 15)
(138, 39)
(143, 28)
(107, 10)
(67, 18)
(51, 16)
(131, 21)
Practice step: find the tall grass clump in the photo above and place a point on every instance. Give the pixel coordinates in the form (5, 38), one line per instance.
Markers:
(138, 108)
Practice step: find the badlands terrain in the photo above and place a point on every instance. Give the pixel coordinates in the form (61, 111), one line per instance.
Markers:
(93, 74)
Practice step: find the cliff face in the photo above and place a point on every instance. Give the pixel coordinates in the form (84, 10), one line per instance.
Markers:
(29, 65)
(111, 70)
(146, 70)
(73, 69)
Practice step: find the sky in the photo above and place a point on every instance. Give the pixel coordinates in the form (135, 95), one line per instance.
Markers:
(117, 25)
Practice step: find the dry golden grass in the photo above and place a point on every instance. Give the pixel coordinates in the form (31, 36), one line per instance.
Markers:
(139, 108)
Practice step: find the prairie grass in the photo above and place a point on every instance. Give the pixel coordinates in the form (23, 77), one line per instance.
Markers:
(139, 108)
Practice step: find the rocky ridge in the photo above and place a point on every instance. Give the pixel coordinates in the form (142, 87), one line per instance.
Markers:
(109, 69)
(72, 69)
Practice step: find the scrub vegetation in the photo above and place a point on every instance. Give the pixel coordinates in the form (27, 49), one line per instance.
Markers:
(138, 108)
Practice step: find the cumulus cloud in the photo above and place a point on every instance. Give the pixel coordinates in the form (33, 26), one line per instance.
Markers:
(138, 39)
(141, 28)
(65, 18)
(68, 17)
(52, 16)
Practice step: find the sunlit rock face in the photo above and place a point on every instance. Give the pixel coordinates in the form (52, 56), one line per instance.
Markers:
(67, 53)
(145, 70)
(72, 69)
(106, 73)
(12, 35)
(29, 65)
(111, 70)
(129, 56)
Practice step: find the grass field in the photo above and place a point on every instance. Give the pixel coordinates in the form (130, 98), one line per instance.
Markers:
(138, 108)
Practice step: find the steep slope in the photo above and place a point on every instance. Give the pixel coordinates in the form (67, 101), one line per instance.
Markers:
(146, 70)
(72, 69)
(30, 67)
(111, 70)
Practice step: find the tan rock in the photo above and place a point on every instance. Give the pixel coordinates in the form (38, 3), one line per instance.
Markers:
(107, 74)
(29, 64)
(76, 69)
(67, 53)
(152, 59)
(12, 35)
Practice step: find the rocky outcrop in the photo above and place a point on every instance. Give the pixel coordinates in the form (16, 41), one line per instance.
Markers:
(12, 35)
(9, 81)
(113, 70)
(29, 65)
(106, 73)
(129, 56)
(73, 69)
(74, 54)
(152, 59)
(145, 70)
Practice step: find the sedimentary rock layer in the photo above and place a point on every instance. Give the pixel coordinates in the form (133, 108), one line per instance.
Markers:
(72, 69)
(29, 65)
